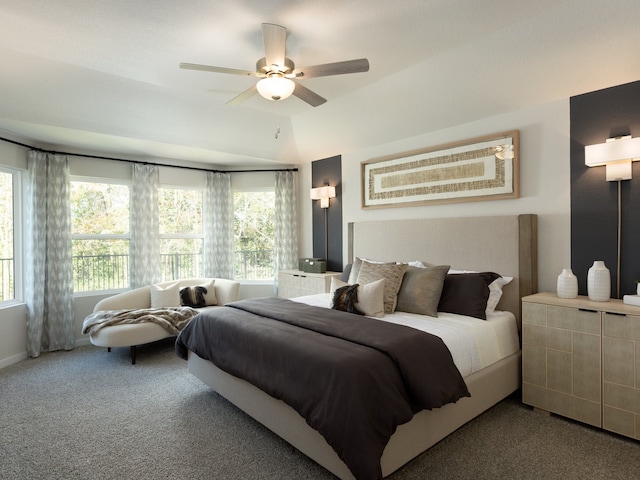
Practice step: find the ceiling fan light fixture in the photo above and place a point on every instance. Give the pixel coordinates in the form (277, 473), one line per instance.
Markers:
(276, 87)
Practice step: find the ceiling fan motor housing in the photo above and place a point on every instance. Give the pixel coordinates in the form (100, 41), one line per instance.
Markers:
(262, 67)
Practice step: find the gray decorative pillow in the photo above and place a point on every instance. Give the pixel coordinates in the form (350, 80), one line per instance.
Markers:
(421, 289)
(354, 271)
(391, 272)
(193, 296)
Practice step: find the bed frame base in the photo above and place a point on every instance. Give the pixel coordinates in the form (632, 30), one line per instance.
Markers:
(487, 387)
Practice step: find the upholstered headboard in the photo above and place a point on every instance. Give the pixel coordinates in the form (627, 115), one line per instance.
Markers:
(503, 244)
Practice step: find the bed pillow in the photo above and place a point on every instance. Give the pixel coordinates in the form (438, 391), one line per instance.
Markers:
(466, 294)
(354, 270)
(391, 272)
(495, 292)
(345, 298)
(421, 289)
(193, 296)
(370, 297)
(167, 296)
(495, 289)
(346, 272)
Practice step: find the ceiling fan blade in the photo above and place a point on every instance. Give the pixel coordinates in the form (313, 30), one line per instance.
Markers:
(337, 68)
(210, 68)
(309, 96)
(246, 95)
(275, 38)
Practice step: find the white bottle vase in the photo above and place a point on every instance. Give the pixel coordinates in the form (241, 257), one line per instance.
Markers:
(599, 282)
(567, 284)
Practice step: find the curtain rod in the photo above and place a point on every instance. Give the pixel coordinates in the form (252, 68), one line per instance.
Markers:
(98, 157)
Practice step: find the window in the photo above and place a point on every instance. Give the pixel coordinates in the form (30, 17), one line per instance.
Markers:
(253, 235)
(9, 234)
(100, 235)
(181, 233)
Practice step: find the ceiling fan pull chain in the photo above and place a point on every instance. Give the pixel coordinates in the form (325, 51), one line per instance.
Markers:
(276, 117)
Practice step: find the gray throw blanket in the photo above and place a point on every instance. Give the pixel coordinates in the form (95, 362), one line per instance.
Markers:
(172, 319)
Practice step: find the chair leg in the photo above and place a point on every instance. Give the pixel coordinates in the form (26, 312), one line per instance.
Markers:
(133, 354)
(108, 349)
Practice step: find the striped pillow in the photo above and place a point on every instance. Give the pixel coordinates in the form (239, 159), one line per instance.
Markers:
(391, 272)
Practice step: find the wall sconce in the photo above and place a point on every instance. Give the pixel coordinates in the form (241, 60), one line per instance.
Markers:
(323, 194)
(616, 155)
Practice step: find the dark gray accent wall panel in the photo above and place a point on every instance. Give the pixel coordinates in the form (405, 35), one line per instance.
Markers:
(595, 117)
(328, 171)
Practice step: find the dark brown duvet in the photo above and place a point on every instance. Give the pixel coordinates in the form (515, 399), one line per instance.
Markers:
(354, 379)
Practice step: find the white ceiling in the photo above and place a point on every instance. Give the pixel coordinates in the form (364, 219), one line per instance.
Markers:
(102, 76)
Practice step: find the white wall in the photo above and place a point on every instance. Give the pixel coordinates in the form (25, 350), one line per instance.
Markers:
(544, 183)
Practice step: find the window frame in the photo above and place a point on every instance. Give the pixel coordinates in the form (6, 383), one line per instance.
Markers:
(17, 184)
(254, 189)
(187, 236)
(109, 236)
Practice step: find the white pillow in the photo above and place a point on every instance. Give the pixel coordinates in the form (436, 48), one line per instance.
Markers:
(370, 296)
(210, 297)
(168, 296)
(495, 292)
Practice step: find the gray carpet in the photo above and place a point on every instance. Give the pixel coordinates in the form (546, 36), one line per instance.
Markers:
(90, 414)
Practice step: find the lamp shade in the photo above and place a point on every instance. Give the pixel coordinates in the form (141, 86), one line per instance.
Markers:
(626, 148)
(323, 194)
(616, 154)
(275, 87)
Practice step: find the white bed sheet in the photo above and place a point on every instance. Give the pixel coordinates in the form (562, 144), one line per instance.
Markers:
(474, 343)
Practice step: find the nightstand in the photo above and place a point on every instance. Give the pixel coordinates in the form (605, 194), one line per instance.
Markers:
(296, 283)
(581, 359)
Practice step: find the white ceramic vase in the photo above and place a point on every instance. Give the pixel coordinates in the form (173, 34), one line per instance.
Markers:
(567, 284)
(599, 282)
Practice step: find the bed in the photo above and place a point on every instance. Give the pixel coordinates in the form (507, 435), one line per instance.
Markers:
(503, 244)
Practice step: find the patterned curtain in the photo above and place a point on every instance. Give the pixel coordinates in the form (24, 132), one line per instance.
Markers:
(218, 226)
(144, 268)
(48, 255)
(286, 224)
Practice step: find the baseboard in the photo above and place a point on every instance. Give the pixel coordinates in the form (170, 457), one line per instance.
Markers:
(82, 342)
(5, 362)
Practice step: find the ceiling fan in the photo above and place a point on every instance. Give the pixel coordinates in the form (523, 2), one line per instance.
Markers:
(278, 73)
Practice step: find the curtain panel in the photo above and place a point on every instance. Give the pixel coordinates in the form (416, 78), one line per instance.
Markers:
(218, 226)
(144, 268)
(48, 255)
(286, 221)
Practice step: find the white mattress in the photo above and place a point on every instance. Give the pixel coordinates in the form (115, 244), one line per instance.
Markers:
(474, 344)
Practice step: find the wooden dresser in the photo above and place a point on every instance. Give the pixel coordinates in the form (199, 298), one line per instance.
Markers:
(581, 359)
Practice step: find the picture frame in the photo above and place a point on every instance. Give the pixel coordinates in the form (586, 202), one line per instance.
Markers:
(478, 169)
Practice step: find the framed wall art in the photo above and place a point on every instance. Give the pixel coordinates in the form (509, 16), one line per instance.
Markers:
(485, 168)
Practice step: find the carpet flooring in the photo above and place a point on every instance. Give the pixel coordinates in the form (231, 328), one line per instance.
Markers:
(89, 414)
